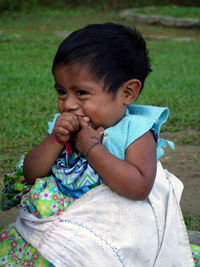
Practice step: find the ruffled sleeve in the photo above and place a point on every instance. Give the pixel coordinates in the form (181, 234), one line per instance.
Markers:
(51, 123)
(137, 121)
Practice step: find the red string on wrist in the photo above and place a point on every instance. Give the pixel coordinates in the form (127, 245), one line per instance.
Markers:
(57, 140)
(67, 146)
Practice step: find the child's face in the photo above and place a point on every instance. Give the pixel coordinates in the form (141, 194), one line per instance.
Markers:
(80, 93)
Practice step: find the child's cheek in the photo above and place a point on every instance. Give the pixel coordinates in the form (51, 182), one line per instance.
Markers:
(90, 111)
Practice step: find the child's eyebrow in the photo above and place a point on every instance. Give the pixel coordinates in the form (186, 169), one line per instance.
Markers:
(82, 87)
(56, 86)
(75, 87)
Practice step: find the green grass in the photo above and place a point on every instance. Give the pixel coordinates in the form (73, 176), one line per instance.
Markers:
(192, 223)
(174, 82)
(28, 42)
(173, 11)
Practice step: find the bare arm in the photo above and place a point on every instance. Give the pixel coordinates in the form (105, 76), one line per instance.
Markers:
(133, 177)
(39, 160)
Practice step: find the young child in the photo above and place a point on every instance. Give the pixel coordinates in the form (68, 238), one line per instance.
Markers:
(98, 142)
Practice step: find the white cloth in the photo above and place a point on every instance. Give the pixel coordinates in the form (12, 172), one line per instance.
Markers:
(102, 228)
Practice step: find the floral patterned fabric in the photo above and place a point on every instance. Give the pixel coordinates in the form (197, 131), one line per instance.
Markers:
(71, 177)
(43, 199)
(196, 254)
(14, 187)
(15, 251)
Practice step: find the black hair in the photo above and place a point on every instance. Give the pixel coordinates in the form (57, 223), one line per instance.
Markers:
(112, 52)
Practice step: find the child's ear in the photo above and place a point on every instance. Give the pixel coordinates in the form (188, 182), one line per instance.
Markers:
(131, 90)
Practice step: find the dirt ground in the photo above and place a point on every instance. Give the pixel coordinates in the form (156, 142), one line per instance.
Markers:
(184, 162)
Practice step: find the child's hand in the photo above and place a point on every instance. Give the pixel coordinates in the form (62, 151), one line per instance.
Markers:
(65, 125)
(87, 137)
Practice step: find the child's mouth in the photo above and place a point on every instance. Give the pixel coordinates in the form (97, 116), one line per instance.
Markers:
(86, 119)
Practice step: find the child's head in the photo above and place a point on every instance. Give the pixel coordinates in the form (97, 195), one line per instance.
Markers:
(112, 52)
(98, 71)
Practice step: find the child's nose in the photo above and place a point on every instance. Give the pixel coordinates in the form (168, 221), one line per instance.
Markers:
(70, 104)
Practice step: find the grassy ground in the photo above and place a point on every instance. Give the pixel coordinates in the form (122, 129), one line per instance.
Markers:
(192, 223)
(173, 11)
(28, 42)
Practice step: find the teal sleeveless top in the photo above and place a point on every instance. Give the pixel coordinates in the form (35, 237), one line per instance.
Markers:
(137, 121)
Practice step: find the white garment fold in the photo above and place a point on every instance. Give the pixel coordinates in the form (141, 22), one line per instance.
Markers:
(102, 228)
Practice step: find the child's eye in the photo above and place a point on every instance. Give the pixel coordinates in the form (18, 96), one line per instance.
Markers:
(81, 92)
(61, 91)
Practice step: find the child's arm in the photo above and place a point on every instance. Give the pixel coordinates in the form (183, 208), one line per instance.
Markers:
(133, 177)
(39, 161)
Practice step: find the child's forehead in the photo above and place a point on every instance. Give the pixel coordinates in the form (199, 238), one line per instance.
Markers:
(76, 72)
(74, 69)
(76, 75)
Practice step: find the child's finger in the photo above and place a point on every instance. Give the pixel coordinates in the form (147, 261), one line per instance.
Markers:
(68, 121)
(67, 125)
(100, 130)
(83, 123)
(72, 119)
